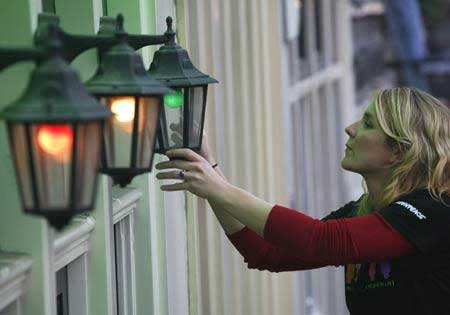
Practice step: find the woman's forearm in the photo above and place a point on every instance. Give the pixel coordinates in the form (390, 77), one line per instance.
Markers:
(241, 206)
(229, 224)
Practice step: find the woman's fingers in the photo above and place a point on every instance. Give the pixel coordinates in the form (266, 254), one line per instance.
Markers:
(185, 154)
(173, 175)
(182, 165)
(175, 187)
(177, 139)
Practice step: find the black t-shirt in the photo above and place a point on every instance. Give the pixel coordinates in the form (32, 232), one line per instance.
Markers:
(415, 284)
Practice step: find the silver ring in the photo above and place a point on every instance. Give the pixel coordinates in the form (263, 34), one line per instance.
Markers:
(181, 174)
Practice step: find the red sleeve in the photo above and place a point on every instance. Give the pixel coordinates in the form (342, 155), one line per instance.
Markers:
(335, 242)
(260, 254)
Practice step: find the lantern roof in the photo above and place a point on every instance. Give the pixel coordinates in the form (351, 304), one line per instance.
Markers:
(172, 66)
(121, 70)
(54, 94)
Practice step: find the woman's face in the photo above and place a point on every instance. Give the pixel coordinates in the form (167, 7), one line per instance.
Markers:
(368, 152)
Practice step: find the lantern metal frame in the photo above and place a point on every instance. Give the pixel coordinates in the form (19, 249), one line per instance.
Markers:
(55, 95)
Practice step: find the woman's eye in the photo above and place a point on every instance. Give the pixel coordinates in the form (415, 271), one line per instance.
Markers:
(367, 125)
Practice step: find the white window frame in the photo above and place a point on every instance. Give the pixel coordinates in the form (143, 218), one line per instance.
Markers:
(125, 202)
(70, 250)
(14, 281)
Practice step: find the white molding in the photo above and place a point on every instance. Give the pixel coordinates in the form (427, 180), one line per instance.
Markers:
(48, 268)
(73, 242)
(313, 82)
(14, 270)
(125, 201)
(367, 9)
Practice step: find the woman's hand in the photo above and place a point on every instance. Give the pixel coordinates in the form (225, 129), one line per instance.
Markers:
(198, 175)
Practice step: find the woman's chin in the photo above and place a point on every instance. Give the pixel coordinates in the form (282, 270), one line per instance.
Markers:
(348, 165)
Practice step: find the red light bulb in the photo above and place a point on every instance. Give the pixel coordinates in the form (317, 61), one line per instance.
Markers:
(56, 140)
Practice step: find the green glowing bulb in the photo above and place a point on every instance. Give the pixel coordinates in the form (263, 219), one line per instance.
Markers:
(174, 100)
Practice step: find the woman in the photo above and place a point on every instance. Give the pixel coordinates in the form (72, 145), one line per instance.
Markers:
(394, 241)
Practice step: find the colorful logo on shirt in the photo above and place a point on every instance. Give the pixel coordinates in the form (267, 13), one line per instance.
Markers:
(369, 275)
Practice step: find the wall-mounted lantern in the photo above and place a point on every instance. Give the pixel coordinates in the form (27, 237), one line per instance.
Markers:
(183, 114)
(55, 131)
(121, 84)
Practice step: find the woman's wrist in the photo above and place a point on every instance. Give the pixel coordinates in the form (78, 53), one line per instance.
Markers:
(210, 160)
(222, 195)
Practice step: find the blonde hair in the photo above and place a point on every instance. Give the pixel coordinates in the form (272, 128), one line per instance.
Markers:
(417, 126)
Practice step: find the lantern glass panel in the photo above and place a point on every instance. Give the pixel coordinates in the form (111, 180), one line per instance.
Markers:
(118, 131)
(172, 119)
(124, 147)
(21, 155)
(147, 127)
(197, 102)
(52, 147)
(87, 163)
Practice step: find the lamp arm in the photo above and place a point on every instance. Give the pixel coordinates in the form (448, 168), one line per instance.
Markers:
(71, 45)
(139, 41)
(10, 56)
(74, 45)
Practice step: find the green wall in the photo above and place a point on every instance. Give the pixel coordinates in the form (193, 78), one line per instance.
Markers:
(27, 234)
(18, 232)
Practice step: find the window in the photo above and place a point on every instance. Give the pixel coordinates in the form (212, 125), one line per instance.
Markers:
(62, 305)
(71, 247)
(124, 253)
(124, 205)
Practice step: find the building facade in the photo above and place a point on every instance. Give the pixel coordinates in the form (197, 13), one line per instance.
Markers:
(276, 123)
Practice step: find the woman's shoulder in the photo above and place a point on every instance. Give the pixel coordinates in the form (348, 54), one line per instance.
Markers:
(421, 218)
(426, 199)
(346, 211)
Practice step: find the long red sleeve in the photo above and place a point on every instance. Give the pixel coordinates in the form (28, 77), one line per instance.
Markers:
(294, 241)
(260, 254)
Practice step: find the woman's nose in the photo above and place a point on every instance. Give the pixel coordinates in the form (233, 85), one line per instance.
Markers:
(350, 130)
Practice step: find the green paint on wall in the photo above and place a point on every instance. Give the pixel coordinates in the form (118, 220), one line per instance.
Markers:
(18, 232)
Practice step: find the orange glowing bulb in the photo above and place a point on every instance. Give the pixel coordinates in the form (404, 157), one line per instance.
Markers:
(123, 108)
(55, 140)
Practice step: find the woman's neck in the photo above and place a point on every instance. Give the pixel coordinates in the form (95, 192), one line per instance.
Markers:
(372, 200)
(375, 186)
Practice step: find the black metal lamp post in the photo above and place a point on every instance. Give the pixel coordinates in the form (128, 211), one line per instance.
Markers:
(122, 85)
(55, 130)
(183, 114)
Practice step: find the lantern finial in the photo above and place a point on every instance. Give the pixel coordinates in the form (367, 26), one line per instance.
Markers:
(170, 33)
(119, 24)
